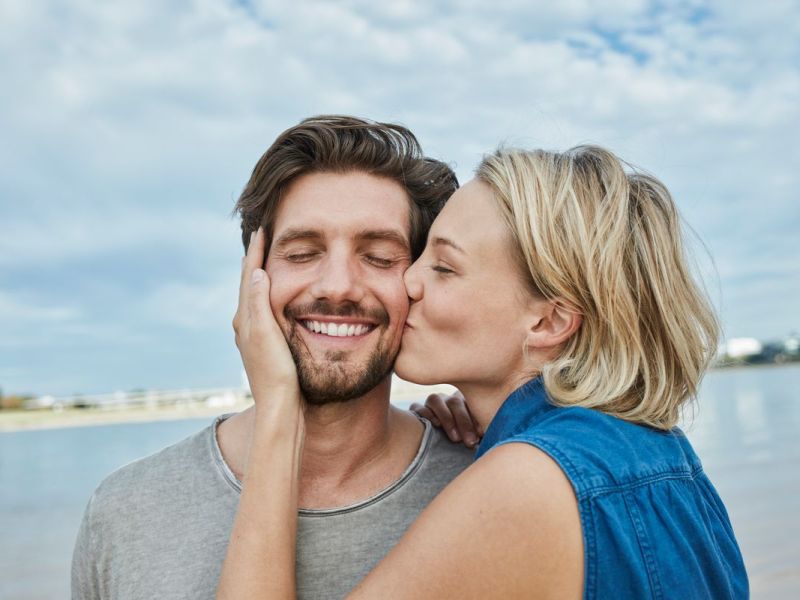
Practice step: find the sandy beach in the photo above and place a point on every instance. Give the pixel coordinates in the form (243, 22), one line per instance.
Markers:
(22, 420)
(403, 394)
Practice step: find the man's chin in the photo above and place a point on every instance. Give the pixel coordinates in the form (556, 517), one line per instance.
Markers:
(318, 392)
(314, 397)
(328, 384)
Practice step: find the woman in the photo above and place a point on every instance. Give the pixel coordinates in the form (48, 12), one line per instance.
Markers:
(554, 294)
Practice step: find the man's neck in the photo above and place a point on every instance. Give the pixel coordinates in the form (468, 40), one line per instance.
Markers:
(352, 449)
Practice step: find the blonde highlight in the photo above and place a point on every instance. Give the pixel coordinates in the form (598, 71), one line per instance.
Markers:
(605, 240)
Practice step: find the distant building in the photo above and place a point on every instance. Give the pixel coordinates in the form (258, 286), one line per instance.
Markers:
(750, 351)
(791, 345)
(742, 347)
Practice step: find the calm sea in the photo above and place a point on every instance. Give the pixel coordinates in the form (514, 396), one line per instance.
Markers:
(745, 430)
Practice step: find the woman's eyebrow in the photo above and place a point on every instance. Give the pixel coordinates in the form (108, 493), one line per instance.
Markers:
(441, 241)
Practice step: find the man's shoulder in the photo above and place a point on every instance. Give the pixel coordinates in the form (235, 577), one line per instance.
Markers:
(443, 460)
(157, 527)
(442, 448)
(166, 470)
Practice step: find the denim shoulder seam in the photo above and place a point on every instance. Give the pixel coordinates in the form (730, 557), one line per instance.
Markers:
(584, 491)
(600, 490)
(556, 454)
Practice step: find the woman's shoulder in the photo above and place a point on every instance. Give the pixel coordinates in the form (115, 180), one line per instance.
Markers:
(507, 525)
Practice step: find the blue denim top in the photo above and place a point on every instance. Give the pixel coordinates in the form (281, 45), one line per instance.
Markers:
(653, 525)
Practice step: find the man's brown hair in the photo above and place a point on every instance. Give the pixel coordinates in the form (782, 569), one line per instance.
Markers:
(339, 144)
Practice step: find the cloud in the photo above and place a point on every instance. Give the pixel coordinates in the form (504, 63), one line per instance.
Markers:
(15, 309)
(194, 306)
(65, 235)
(132, 127)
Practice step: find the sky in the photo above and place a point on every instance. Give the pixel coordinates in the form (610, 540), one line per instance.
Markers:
(130, 128)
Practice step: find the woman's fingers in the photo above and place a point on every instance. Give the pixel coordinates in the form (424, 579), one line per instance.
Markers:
(258, 328)
(257, 299)
(425, 413)
(454, 417)
(254, 259)
(259, 309)
(436, 404)
(463, 419)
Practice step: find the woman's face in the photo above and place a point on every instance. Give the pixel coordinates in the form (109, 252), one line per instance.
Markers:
(467, 321)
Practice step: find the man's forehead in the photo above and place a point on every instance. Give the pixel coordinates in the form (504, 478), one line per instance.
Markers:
(351, 205)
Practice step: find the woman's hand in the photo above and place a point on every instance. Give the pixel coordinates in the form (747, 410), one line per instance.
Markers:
(260, 561)
(450, 412)
(265, 353)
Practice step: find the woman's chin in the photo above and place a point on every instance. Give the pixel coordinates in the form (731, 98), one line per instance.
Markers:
(414, 371)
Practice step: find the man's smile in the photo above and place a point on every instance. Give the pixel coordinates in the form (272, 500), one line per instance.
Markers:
(337, 328)
(342, 326)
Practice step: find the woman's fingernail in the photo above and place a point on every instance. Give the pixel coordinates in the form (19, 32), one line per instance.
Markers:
(258, 275)
(470, 439)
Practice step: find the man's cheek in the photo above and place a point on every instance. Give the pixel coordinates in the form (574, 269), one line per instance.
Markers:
(399, 313)
(400, 304)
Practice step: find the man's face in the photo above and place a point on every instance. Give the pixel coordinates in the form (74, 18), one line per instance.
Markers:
(340, 246)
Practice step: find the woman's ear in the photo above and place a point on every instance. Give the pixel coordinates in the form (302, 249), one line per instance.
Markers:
(552, 323)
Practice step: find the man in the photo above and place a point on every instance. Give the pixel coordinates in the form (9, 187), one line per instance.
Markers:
(346, 205)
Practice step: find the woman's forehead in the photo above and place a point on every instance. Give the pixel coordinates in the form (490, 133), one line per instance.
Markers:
(470, 219)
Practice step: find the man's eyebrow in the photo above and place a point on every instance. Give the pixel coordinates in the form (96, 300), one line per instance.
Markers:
(440, 241)
(389, 235)
(291, 235)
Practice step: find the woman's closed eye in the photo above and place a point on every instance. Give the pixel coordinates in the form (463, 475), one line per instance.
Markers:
(442, 269)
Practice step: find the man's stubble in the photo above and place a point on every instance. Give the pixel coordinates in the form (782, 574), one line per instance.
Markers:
(335, 378)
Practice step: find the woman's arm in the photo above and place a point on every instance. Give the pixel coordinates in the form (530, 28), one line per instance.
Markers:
(508, 527)
(261, 552)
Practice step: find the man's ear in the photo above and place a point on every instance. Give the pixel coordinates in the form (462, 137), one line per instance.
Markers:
(552, 323)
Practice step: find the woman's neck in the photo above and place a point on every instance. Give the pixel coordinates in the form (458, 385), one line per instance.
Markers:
(484, 399)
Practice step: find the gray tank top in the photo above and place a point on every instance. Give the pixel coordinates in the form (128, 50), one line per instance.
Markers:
(159, 527)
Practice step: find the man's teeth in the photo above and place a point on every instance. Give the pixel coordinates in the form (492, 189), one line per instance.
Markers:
(336, 329)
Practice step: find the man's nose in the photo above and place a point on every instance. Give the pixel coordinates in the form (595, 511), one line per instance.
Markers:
(339, 280)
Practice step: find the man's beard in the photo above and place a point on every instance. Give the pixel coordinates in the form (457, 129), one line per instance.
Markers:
(335, 379)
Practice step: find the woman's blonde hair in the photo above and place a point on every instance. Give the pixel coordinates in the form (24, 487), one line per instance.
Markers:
(606, 242)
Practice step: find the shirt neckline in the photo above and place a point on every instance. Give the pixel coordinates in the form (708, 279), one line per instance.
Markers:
(233, 481)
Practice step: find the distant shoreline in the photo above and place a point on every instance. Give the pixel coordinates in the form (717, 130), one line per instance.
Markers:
(31, 420)
(749, 366)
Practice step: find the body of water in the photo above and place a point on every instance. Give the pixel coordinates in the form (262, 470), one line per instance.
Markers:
(745, 430)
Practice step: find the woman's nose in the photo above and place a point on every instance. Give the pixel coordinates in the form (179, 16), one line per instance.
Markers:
(413, 282)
